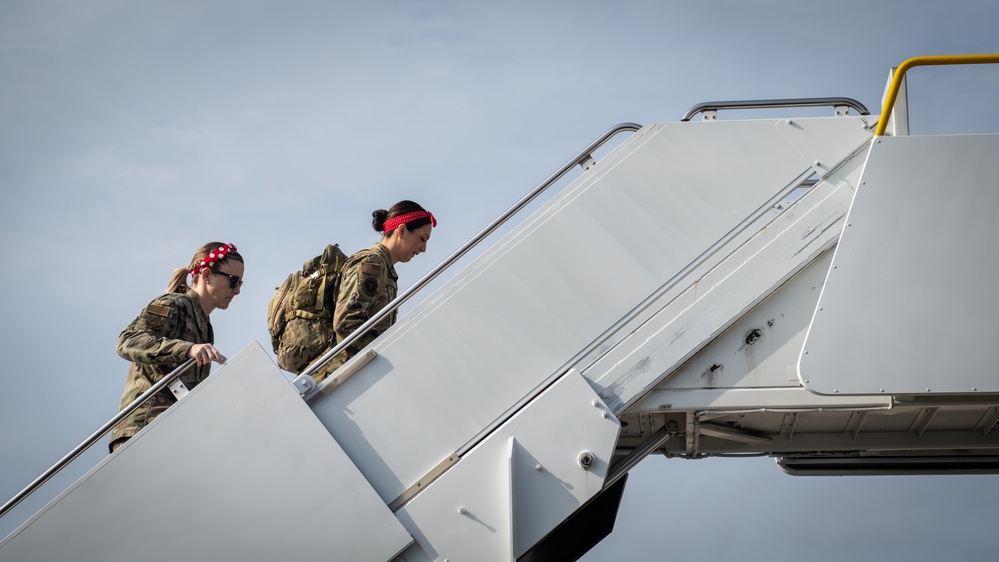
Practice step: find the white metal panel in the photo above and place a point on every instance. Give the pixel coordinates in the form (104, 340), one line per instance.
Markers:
(517, 315)
(909, 305)
(496, 502)
(240, 454)
(712, 302)
(731, 373)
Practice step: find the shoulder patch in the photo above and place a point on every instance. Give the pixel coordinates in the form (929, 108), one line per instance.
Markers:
(158, 310)
(370, 286)
(371, 268)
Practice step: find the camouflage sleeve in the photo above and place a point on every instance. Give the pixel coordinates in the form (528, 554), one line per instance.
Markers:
(151, 338)
(360, 286)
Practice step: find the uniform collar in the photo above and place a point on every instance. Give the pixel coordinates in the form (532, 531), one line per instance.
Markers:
(387, 258)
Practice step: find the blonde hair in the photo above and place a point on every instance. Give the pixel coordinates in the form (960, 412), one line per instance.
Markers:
(178, 281)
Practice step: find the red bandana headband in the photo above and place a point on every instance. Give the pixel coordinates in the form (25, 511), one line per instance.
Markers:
(214, 256)
(394, 222)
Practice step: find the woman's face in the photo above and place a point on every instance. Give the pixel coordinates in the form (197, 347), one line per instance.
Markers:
(413, 242)
(220, 282)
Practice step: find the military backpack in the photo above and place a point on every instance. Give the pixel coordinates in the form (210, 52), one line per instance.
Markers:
(300, 315)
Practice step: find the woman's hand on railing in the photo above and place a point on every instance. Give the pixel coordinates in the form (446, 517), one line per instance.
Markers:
(204, 353)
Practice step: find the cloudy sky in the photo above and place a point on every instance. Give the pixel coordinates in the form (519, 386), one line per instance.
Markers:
(133, 132)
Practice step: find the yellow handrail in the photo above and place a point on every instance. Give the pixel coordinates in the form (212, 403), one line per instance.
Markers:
(923, 61)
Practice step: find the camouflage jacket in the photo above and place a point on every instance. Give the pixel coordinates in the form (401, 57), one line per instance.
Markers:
(156, 343)
(368, 283)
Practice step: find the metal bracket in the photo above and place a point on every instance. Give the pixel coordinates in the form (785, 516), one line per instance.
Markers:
(178, 388)
(423, 482)
(304, 384)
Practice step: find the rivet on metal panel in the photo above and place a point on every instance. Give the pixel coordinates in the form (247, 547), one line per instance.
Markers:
(835, 391)
(604, 415)
(790, 122)
(585, 460)
(927, 390)
(806, 381)
(974, 388)
(462, 510)
(538, 467)
(596, 403)
(882, 390)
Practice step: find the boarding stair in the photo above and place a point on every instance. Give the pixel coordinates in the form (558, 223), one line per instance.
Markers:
(815, 289)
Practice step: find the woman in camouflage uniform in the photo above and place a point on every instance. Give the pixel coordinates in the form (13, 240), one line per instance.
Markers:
(173, 328)
(368, 281)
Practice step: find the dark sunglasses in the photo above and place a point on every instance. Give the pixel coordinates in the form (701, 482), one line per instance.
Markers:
(234, 281)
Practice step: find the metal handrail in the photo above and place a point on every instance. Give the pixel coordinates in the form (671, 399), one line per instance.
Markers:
(896, 81)
(764, 104)
(160, 385)
(583, 157)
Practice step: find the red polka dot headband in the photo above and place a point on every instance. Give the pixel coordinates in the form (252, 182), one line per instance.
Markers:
(214, 256)
(394, 222)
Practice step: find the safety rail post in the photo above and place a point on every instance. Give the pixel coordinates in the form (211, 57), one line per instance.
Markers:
(304, 380)
(160, 385)
(896, 80)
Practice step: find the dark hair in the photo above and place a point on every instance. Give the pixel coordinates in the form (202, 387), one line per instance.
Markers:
(379, 217)
(178, 282)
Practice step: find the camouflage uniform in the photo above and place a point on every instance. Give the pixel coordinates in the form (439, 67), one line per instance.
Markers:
(156, 343)
(368, 283)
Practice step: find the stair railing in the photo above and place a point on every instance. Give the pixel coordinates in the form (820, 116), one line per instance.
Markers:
(305, 383)
(712, 106)
(160, 385)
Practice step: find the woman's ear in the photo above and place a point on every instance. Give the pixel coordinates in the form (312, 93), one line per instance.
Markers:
(203, 275)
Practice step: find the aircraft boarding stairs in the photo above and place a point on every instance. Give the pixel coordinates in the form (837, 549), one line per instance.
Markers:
(804, 288)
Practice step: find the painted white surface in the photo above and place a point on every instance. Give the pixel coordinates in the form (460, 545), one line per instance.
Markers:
(909, 305)
(495, 503)
(238, 470)
(520, 313)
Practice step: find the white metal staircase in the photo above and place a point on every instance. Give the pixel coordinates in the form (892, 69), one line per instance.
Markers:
(801, 288)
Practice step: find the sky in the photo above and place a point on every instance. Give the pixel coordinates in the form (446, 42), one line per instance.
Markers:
(133, 132)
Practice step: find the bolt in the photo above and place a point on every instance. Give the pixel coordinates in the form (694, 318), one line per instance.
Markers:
(462, 510)
(538, 467)
(585, 460)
